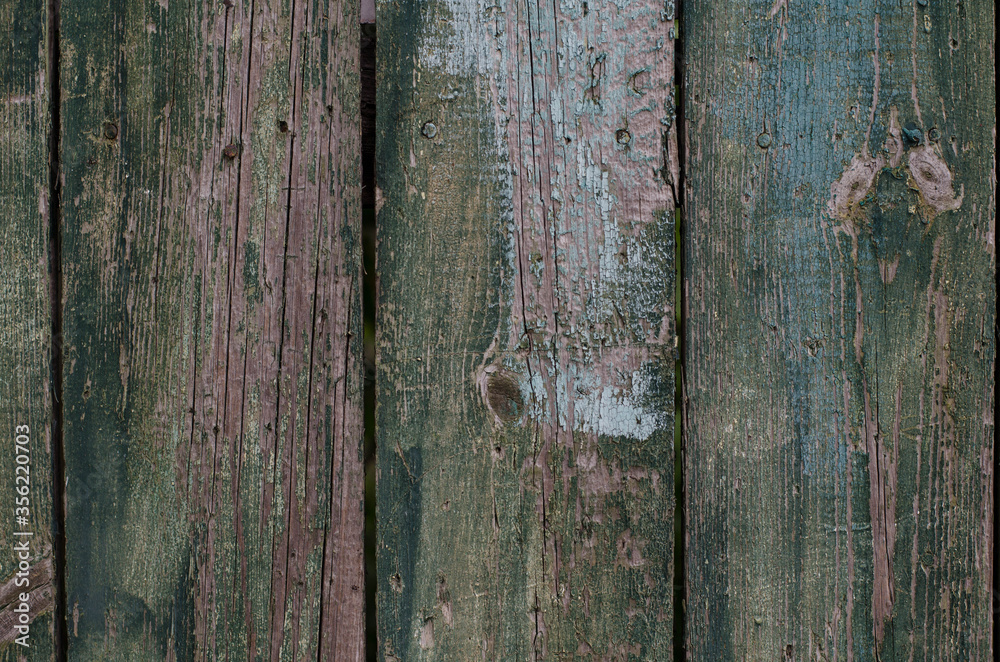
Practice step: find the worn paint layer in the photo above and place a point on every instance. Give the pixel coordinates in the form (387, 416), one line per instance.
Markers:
(840, 295)
(25, 337)
(527, 167)
(212, 385)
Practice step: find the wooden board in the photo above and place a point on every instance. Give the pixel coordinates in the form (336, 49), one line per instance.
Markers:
(839, 281)
(25, 337)
(526, 168)
(212, 387)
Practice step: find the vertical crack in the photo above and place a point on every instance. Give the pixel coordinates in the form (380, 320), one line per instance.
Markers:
(680, 319)
(56, 350)
(369, 303)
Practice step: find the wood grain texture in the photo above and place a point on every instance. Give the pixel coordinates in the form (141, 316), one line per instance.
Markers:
(25, 330)
(840, 264)
(526, 167)
(212, 364)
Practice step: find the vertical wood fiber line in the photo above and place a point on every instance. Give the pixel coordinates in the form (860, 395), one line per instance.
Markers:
(526, 166)
(840, 263)
(25, 332)
(211, 243)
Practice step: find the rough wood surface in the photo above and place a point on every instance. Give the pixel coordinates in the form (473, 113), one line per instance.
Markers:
(25, 332)
(840, 264)
(212, 386)
(526, 166)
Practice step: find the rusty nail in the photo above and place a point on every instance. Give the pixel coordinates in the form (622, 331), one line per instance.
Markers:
(623, 137)
(110, 130)
(230, 151)
(912, 135)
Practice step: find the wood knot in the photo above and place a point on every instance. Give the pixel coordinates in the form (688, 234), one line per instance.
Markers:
(854, 184)
(933, 179)
(504, 397)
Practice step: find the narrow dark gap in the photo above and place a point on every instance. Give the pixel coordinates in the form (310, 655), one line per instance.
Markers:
(680, 308)
(368, 309)
(56, 356)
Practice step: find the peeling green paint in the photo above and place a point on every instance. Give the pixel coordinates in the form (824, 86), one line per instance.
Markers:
(212, 382)
(525, 325)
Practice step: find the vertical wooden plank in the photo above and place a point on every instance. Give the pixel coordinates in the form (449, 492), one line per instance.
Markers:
(25, 337)
(212, 391)
(525, 346)
(840, 304)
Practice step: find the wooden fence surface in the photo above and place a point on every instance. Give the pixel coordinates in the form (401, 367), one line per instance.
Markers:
(211, 252)
(840, 305)
(526, 169)
(26, 563)
(808, 188)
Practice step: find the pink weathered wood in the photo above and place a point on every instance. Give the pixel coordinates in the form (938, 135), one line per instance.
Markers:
(213, 323)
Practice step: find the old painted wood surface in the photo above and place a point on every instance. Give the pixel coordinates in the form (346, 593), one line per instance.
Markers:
(840, 261)
(25, 332)
(526, 168)
(211, 250)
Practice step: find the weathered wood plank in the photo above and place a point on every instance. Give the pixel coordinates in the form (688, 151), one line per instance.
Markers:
(526, 164)
(212, 371)
(840, 306)
(25, 336)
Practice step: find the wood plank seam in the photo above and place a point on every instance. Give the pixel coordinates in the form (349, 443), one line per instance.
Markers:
(56, 298)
